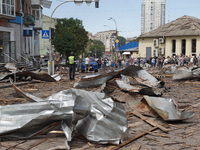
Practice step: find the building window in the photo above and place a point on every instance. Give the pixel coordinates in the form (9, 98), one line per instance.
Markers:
(173, 46)
(7, 7)
(193, 46)
(183, 48)
(36, 14)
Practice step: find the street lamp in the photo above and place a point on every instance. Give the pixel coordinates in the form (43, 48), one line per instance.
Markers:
(107, 26)
(115, 25)
(77, 2)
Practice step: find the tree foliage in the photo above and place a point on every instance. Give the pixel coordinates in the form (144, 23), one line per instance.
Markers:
(70, 36)
(122, 40)
(95, 47)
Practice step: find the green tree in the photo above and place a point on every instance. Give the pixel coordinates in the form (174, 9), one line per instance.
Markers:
(70, 36)
(122, 40)
(135, 37)
(95, 47)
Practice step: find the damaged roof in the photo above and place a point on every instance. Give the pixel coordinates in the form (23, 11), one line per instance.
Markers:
(185, 25)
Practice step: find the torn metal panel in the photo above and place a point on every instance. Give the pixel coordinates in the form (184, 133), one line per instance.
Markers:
(196, 71)
(94, 80)
(169, 68)
(43, 77)
(11, 67)
(94, 115)
(137, 89)
(140, 75)
(168, 109)
(183, 75)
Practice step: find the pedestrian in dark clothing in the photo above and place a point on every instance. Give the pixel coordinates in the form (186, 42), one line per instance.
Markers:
(119, 61)
(72, 62)
(99, 63)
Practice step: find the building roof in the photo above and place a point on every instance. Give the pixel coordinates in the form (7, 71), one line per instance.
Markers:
(130, 47)
(183, 26)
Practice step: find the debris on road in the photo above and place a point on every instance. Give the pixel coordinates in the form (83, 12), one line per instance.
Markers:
(183, 73)
(166, 108)
(136, 72)
(93, 115)
(26, 74)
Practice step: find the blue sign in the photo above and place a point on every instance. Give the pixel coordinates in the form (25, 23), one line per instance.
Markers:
(28, 32)
(116, 47)
(45, 34)
(116, 44)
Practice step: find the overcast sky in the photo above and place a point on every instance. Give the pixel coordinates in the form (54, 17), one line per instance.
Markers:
(127, 14)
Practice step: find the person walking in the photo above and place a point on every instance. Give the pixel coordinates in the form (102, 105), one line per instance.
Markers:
(126, 61)
(119, 61)
(72, 62)
(87, 64)
(132, 59)
(153, 61)
(57, 63)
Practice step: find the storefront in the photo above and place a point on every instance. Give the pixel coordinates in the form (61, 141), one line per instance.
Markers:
(7, 44)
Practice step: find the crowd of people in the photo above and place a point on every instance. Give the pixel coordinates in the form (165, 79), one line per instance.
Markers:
(155, 62)
(182, 60)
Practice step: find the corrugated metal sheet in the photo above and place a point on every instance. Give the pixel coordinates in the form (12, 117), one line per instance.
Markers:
(94, 115)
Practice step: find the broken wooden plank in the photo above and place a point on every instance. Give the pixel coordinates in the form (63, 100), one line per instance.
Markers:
(19, 84)
(37, 143)
(130, 140)
(157, 134)
(155, 124)
(136, 147)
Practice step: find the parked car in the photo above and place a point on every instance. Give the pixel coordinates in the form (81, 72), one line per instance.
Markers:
(93, 65)
(44, 62)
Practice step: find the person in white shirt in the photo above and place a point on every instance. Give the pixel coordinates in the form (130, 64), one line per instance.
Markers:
(132, 59)
(191, 61)
(87, 64)
(109, 63)
(165, 61)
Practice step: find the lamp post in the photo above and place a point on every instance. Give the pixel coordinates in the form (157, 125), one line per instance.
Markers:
(107, 26)
(77, 2)
(115, 25)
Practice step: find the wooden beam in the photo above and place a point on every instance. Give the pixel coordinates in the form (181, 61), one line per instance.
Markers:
(130, 140)
(153, 123)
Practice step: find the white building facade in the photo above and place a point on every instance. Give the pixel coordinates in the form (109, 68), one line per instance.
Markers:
(108, 38)
(152, 14)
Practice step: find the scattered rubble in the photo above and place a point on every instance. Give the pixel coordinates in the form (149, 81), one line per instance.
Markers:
(100, 117)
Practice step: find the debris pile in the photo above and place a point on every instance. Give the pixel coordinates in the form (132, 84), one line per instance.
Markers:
(101, 117)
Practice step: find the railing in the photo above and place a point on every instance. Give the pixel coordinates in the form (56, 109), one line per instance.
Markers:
(24, 60)
(8, 59)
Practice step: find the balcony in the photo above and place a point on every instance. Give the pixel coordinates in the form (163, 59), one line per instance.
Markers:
(35, 2)
(37, 13)
(7, 10)
(29, 20)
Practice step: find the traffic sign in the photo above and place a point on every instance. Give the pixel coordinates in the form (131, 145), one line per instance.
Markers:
(116, 47)
(117, 41)
(45, 34)
(116, 44)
